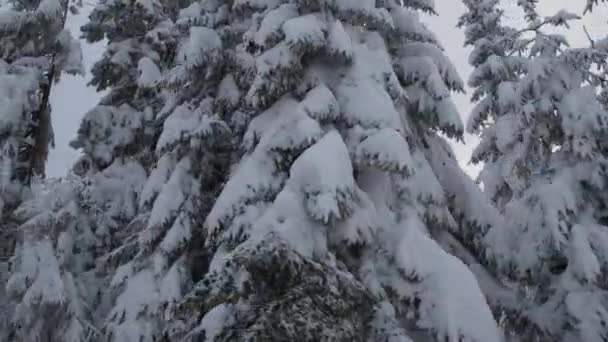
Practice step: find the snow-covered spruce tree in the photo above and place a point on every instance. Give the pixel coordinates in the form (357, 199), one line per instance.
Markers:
(55, 288)
(34, 50)
(118, 137)
(497, 70)
(325, 228)
(543, 147)
(157, 258)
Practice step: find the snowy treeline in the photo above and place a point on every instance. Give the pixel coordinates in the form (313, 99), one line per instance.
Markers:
(279, 170)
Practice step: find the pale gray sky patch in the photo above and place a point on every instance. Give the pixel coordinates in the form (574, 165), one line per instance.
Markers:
(71, 98)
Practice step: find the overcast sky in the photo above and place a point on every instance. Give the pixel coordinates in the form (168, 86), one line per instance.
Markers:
(71, 98)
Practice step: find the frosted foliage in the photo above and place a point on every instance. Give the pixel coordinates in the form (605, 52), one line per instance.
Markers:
(435, 272)
(138, 158)
(360, 227)
(168, 204)
(188, 124)
(32, 45)
(114, 191)
(149, 5)
(150, 281)
(427, 50)
(251, 179)
(276, 58)
(356, 6)
(321, 104)
(542, 128)
(70, 58)
(331, 201)
(424, 70)
(375, 109)
(551, 202)
(305, 30)
(256, 4)
(106, 129)
(469, 202)
(18, 85)
(585, 264)
(588, 310)
(583, 118)
(31, 40)
(592, 3)
(285, 217)
(46, 293)
(156, 275)
(265, 122)
(324, 302)
(137, 313)
(266, 170)
(17, 97)
(270, 27)
(215, 320)
(339, 42)
(428, 90)
(229, 91)
(38, 263)
(285, 126)
(200, 47)
(357, 108)
(178, 235)
(324, 175)
(158, 177)
(291, 134)
(387, 150)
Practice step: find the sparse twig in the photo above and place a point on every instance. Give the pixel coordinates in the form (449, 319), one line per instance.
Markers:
(591, 41)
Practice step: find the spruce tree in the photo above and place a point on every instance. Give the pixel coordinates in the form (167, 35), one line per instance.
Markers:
(51, 278)
(34, 51)
(191, 151)
(158, 125)
(325, 228)
(543, 147)
(58, 279)
(119, 139)
(138, 189)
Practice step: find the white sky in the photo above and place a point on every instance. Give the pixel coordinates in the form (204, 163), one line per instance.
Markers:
(71, 98)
